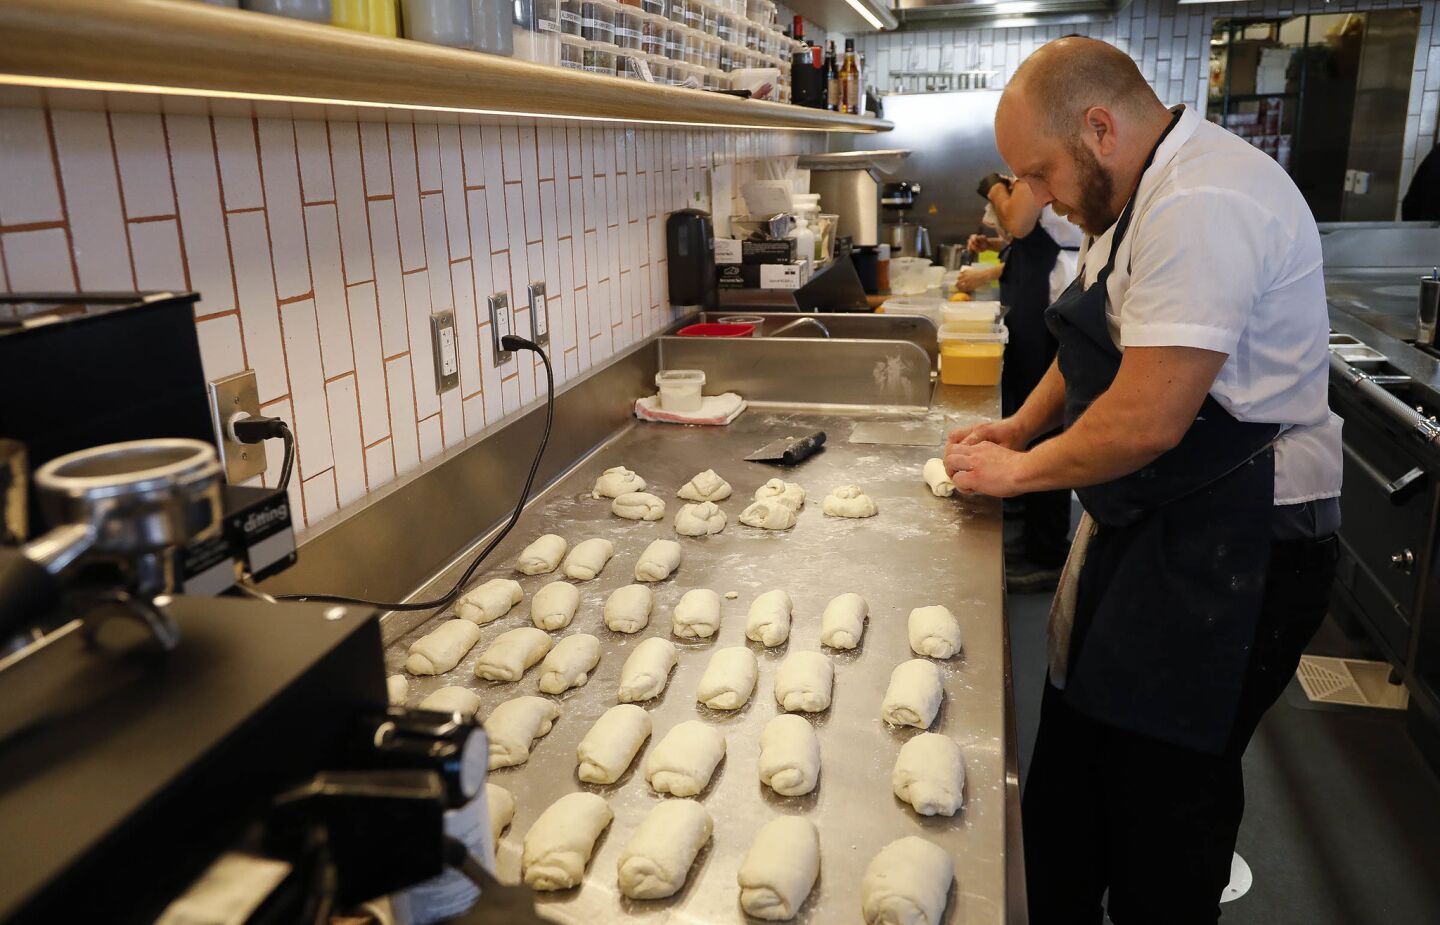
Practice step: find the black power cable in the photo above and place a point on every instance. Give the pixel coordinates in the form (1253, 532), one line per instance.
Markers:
(254, 430)
(509, 342)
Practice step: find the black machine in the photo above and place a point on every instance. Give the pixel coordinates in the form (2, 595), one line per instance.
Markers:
(211, 736)
(690, 253)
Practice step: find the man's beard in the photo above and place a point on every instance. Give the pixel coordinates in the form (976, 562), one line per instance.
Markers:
(1093, 214)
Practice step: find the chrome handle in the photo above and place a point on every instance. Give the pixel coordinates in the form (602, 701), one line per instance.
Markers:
(1397, 489)
(1403, 561)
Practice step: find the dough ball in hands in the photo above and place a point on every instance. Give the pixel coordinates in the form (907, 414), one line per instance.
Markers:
(700, 519)
(612, 743)
(697, 616)
(513, 726)
(569, 664)
(442, 648)
(554, 605)
(512, 654)
(452, 699)
(780, 868)
(659, 561)
(848, 501)
(789, 492)
(789, 756)
(768, 621)
(729, 679)
(627, 610)
(647, 670)
(907, 883)
(559, 844)
(803, 683)
(769, 514)
(683, 761)
(914, 695)
(616, 481)
(934, 631)
(490, 601)
(705, 486)
(658, 857)
(842, 626)
(936, 478)
(542, 556)
(930, 774)
(588, 559)
(638, 505)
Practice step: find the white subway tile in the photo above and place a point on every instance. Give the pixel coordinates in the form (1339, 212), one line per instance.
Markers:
(38, 261)
(389, 286)
(510, 152)
(480, 247)
(259, 315)
(452, 419)
(472, 150)
(530, 196)
(473, 409)
(30, 193)
(349, 181)
(143, 162)
(202, 224)
(584, 342)
(307, 387)
(452, 172)
(427, 152)
(437, 250)
(323, 236)
(281, 176)
(345, 438)
(379, 464)
(466, 330)
(239, 168)
(222, 352)
(92, 200)
(156, 249)
(404, 434)
(375, 148)
(319, 493)
(312, 145)
(544, 152)
(369, 362)
(432, 442)
(407, 196)
(515, 215)
(417, 310)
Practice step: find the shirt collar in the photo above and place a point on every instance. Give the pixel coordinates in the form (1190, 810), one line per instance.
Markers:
(1164, 155)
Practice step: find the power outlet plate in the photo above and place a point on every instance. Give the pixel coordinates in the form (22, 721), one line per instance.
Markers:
(232, 395)
(539, 315)
(446, 352)
(500, 326)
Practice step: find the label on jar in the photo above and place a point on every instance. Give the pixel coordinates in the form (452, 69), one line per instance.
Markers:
(569, 16)
(672, 49)
(547, 25)
(572, 65)
(621, 33)
(692, 18)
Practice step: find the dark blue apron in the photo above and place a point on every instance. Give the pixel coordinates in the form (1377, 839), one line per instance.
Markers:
(1172, 586)
(1025, 291)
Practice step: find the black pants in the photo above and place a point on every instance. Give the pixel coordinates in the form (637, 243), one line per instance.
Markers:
(1155, 823)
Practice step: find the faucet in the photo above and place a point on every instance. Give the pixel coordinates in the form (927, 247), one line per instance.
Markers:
(824, 331)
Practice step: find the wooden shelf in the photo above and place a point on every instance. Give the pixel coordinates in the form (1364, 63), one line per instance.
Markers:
(165, 48)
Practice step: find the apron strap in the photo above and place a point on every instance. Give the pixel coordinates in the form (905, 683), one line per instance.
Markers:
(1122, 225)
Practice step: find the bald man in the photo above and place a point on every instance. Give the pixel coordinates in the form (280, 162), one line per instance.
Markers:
(1191, 382)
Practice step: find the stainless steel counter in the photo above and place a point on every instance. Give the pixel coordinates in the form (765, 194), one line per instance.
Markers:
(919, 550)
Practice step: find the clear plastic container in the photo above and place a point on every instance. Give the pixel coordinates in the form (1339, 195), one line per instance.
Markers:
(694, 13)
(436, 22)
(653, 7)
(570, 16)
(544, 15)
(709, 20)
(973, 358)
(693, 48)
(680, 389)
(597, 21)
(572, 52)
(599, 59)
(726, 27)
(725, 60)
(675, 10)
(710, 53)
(674, 43)
(761, 11)
(627, 28)
(652, 36)
(968, 317)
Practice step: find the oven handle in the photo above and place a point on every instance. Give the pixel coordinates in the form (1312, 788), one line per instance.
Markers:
(1398, 489)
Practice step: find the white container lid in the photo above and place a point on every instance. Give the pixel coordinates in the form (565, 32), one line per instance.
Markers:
(970, 311)
(998, 335)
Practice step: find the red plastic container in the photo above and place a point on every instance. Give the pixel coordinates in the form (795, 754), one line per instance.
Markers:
(717, 330)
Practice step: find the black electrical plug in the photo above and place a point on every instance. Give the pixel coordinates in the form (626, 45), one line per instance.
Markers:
(246, 428)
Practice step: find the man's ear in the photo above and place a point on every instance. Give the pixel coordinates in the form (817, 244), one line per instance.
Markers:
(1100, 130)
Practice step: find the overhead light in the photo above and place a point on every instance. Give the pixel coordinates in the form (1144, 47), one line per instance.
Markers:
(1016, 8)
(1018, 23)
(1206, 2)
(859, 7)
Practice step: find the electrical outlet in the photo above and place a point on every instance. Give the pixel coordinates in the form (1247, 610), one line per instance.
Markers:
(447, 356)
(539, 316)
(500, 326)
(229, 397)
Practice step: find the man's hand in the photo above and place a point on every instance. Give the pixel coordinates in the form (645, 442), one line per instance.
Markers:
(978, 243)
(1006, 432)
(985, 468)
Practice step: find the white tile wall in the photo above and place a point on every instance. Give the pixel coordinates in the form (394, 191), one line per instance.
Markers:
(320, 249)
(1170, 43)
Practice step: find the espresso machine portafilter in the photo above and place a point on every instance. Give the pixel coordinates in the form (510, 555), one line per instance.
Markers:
(126, 509)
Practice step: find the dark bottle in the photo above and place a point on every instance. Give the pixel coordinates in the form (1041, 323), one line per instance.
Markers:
(850, 81)
(807, 80)
(832, 79)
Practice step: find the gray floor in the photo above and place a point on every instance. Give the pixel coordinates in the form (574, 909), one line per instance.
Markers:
(1342, 820)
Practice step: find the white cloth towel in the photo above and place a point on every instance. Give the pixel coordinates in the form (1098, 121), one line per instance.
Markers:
(715, 410)
(1062, 609)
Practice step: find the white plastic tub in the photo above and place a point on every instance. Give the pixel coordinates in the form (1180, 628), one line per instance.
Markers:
(680, 389)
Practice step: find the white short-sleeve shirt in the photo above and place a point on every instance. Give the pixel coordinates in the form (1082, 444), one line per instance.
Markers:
(1223, 254)
(1069, 237)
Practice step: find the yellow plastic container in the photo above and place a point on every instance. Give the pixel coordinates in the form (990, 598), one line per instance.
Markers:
(968, 317)
(972, 358)
(377, 17)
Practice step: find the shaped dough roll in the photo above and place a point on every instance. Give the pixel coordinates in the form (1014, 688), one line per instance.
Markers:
(442, 648)
(934, 631)
(697, 616)
(638, 505)
(789, 756)
(803, 682)
(658, 561)
(906, 884)
(612, 743)
(647, 670)
(789, 492)
(930, 775)
(657, 858)
(512, 653)
(843, 624)
(729, 679)
(490, 601)
(627, 610)
(500, 808)
(780, 868)
(848, 501)
(588, 559)
(914, 695)
(769, 514)
(569, 664)
(700, 519)
(397, 689)
(935, 477)
(514, 725)
(558, 846)
(452, 699)
(542, 556)
(768, 621)
(554, 605)
(705, 486)
(682, 762)
(616, 481)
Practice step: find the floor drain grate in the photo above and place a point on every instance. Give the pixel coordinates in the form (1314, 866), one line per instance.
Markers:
(1351, 681)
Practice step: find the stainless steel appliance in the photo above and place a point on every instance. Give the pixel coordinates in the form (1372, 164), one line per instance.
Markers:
(906, 238)
(849, 184)
(1429, 308)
